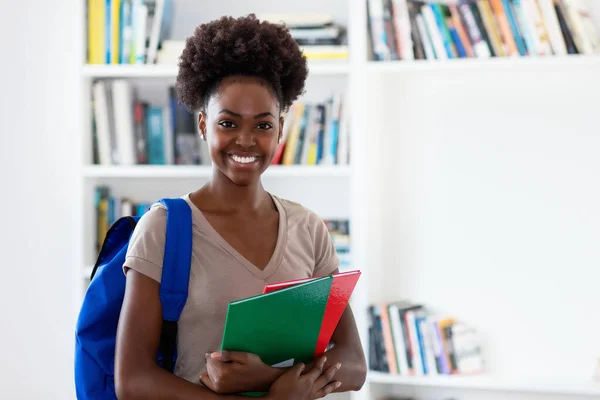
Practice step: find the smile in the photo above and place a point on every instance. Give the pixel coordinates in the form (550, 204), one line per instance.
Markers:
(243, 160)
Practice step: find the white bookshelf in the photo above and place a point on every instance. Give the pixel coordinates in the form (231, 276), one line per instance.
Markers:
(170, 71)
(507, 64)
(202, 171)
(534, 386)
(447, 159)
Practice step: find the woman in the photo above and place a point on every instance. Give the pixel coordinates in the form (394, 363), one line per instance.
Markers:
(241, 75)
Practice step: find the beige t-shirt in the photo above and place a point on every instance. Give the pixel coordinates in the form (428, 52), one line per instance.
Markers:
(219, 274)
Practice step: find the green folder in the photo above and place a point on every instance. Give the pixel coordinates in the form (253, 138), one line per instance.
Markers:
(281, 327)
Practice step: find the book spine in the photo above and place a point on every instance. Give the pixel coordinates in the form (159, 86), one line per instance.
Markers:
(514, 26)
(425, 38)
(96, 28)
(482, 28)
(460, 29)
(504, 27)
(553, 27)
(480, 46)
(388, 340)
(540, 34)
(565, 29)
(404, 27)
(434, 33)
(378, 34)
(440, 20)
(492, 29)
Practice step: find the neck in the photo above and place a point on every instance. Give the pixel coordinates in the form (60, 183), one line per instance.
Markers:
(232, 197)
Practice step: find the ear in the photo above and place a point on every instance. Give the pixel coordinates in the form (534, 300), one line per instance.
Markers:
(202, 124)
(281, 122)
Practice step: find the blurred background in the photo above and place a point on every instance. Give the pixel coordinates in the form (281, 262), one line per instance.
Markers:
(451, 147)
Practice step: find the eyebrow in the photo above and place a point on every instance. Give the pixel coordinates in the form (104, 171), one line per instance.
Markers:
(257, 116)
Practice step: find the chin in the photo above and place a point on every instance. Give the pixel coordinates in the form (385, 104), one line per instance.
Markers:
(240, 180)
(243, 174)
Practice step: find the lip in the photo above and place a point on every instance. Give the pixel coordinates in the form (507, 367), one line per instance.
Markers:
(243, 166)
(243, 154)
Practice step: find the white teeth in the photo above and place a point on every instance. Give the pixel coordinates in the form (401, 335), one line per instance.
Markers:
(243, 160)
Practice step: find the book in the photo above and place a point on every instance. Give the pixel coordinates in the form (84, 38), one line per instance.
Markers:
(341, 289)
(289, 322)
(408, 339)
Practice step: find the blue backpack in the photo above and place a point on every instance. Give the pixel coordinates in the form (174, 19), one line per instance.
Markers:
(97, 323)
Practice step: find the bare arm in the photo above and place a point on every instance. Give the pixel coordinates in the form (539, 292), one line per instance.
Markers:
(137, 376)
(349, 353)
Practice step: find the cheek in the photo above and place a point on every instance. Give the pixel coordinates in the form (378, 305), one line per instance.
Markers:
(216, 141)
(268, 140)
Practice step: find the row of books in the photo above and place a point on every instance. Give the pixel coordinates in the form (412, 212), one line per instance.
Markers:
(406, 339)
(109, 208)
(317, 34)
(130, 131)
(339, 229)
(423, 30)
(127, 31)
(171, 51)
(315, 134)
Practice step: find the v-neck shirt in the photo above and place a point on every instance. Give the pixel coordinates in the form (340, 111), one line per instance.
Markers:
(275, 258)
(219, 274)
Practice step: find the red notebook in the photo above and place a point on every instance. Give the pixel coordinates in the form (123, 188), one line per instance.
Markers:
(341, 289)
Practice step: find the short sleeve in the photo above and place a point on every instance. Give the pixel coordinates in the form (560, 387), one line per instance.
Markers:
(326, 258)
(146, 246)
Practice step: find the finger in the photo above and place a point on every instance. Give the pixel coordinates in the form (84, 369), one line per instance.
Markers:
(327, 389)
(317, 370)
(214, 367)
(327, 376)
(236, 356)
(204, 378)
(297, 369)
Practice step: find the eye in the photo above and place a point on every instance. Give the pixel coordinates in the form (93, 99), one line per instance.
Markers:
(227, 124)
(264, 125)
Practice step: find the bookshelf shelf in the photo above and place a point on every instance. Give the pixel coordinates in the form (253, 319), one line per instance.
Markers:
(183, 171)
(468, 64)
(170, 71)
(485, 382)
(442, 147)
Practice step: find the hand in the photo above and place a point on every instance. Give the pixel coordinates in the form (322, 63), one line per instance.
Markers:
(234, 372)
(313, 384)
(324, 384)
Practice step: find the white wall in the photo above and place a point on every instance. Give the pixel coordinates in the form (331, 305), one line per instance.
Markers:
(38, 92)
(493, 215)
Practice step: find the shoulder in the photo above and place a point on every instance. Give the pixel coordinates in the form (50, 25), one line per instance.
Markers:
(296, 212)
(153, 221)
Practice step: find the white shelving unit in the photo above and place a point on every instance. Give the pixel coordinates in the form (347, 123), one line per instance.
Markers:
(457, 167)
(495, 384)
(469, 64)
(170, 71)
(181, 171)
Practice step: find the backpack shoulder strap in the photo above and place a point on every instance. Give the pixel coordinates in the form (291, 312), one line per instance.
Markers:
(175, 274)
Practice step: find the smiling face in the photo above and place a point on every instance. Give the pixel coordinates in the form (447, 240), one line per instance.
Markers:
(242, 126)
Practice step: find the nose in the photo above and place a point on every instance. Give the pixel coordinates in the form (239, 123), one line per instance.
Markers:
(245, 138)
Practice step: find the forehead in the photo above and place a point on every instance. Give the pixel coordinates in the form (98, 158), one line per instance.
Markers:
(244, 95)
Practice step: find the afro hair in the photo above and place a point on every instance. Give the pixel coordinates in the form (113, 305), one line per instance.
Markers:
(240, 46)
